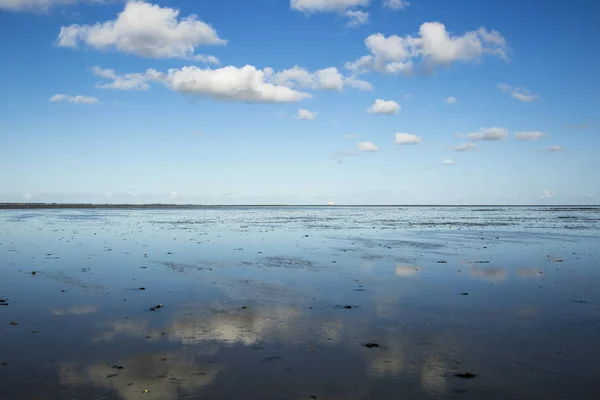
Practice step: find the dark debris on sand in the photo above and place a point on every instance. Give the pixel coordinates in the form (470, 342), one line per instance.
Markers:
(371, 345)
(465, 375)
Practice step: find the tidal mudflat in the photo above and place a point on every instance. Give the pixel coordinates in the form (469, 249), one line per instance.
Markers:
(300, 303)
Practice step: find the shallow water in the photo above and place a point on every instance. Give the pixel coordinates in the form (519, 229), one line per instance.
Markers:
(279, 303)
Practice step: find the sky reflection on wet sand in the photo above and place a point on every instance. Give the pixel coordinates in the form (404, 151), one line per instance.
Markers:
(269, 303)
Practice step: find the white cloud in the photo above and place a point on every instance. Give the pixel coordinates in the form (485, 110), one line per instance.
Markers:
(326, 79)
(305, 114)
(465, 147)
(450, 100)
(40, 5)
(351, 136)
(548, 194)
(438, 46)
(488, 134)
(329, 79)
(360, 66)
(235, 84)
(206, 59)
(104, 73)
(315, 6)
(135, 81)
(448, 161)
(228, 84)
(406, 139)
(367, 147)
(388, 107)
(396, 4)
(551, 149)
(146, 30)
(518, 93)
(356, 18)
(433, 45)
(358, 84)
(532, 135)
(79, 99)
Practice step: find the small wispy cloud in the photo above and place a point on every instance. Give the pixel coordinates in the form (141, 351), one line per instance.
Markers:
(448, 161)
(551, 149)
(396, 4)
(488, 134)
(356, 18)
(386, 107)
(465, 147)
(450, 100)
(133, 81)
(305, 114)
(546, 194)
(531, 135)
(351, 136)
(404, 139)
(79, 99)
(519, 93)
(367, 147)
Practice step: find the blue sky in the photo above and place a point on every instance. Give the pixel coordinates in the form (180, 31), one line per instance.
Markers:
(300, 101)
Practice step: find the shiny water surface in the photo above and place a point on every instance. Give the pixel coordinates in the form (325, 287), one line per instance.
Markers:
(300, 303)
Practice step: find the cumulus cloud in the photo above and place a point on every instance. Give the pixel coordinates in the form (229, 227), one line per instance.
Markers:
(232, 83)
(548, 194)
(79, 99)
(228, 84)
(387, 107)
(448, 161)
(367, 147)
(406, 139)
(519, 93)
(305, 114)
(433, 46)
(315, 6)
(145, 30)
(396, 4)
(356, 18)
(465, 147)
(325, 79)
(40, 5)
(531, 135)
(488, 134)
(450, 100)
(551, 149)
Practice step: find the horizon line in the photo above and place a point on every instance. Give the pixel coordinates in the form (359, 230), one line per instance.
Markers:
(14, 205)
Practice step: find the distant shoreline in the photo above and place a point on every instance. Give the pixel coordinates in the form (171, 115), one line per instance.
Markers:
(38, 206)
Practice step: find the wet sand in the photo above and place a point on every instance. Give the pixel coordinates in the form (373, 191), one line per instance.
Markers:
(300, 303)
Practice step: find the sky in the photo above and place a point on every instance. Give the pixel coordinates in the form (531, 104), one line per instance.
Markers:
(300, 101)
